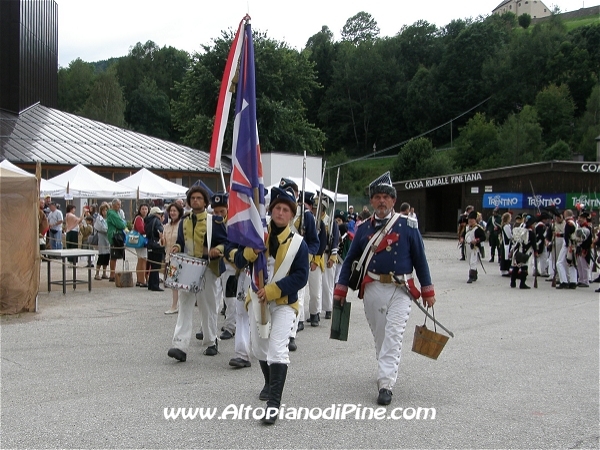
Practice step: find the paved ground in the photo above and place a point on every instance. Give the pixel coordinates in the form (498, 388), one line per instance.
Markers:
(91, 370)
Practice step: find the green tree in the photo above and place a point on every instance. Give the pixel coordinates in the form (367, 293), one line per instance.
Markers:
(476, 142)
(146, 64)
(74, 84)
(359, 28)
(555, 110)
(520, 138)
(409, 163)
(589, 127)
(149, 111)
(105, 102)
(284, 78)
(422, 105)
(524, 20)
(320, 50)
(558, 151)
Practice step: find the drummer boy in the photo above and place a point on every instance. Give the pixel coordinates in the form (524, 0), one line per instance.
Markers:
(193, 241)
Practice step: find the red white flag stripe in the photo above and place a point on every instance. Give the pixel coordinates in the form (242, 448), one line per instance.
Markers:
(225, 94)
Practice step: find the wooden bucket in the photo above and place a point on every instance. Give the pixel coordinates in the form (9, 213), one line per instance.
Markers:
(428, 343)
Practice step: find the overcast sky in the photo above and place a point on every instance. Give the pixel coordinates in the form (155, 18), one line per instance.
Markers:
(97, 30)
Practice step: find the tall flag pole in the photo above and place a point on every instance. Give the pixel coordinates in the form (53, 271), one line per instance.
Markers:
(246, 223)
(228, 83)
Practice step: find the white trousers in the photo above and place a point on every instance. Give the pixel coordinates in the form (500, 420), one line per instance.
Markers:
(273, 349)
(583, 270)
(242, 321)
(314, 291)
(554, 254)
(300, 316)
(328, 284)
(387, 308)
(230, 310)
(471, 256)
(338, 269)
(542, 260)
(208, 304)
(566, 273)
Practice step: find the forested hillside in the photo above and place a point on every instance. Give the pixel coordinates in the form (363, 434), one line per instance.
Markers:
(482, 93)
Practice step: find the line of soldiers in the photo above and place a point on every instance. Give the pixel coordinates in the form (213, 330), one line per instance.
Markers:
(564, 247)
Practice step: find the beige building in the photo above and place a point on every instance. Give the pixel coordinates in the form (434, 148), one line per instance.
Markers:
(535, 8)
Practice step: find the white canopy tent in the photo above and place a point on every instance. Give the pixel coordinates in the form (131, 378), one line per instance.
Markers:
(46, 187)
(81, 182)
(146, 184)
(314, 188)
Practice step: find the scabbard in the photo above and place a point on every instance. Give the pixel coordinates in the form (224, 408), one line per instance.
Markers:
(481, 262)
(421, 307)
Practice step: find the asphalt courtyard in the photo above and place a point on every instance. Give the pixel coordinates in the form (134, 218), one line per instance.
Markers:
(90, 370)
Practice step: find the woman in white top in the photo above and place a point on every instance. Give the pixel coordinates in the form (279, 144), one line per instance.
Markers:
(175, 213)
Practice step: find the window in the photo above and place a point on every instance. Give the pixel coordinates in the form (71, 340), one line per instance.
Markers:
(544, 9)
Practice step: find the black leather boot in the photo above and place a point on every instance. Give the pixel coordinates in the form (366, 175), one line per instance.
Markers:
(472, 276)
(513, 278)
(264, 394)
(277, 376)
(315, 320)
(523, 277)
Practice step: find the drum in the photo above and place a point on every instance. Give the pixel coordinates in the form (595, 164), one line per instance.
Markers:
(185, 272)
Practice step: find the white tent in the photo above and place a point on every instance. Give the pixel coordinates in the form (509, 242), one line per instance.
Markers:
(151, 185)
(82, 182)
(314, 188)
(46, 187)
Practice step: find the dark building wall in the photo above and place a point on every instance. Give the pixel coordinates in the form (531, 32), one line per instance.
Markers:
(28, 54)
(439, 201)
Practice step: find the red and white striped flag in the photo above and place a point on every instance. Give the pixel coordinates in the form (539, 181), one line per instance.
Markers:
(225, 94)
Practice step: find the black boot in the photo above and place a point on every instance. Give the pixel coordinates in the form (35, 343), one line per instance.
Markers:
(277, 376)
(472, 276)
(264, 394)
(310, 319)
(523, 277)
(315, 320)
(562, 286)
(572, 285)
(513, 278)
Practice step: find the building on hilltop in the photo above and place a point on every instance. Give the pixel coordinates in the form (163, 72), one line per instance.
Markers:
(535, 8)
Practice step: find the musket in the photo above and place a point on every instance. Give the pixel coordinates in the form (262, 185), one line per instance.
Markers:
(301, 199)
(402, 283)
(554, 252)
(318, 216)
(337, 178)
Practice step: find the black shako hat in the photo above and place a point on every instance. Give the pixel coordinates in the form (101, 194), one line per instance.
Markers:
(219, 199)
(382, 185)
(287, 196)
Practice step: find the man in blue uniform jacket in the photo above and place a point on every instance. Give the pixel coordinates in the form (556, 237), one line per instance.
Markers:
(398, 250)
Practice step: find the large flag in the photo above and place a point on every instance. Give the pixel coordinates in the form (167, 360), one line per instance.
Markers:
(246, 223)
(225, 94)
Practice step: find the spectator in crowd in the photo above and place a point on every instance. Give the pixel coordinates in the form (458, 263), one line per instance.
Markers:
(365, 214)
(175, 213)
(142, 253)
(55, 221)
(47, 201)
(351, 214)
(116, 225)
(86, 230)
(156, 246)
(101, 227)
(72, 222)
(42, 225)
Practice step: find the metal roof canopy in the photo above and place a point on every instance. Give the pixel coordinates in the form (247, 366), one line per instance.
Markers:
(51, 136)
